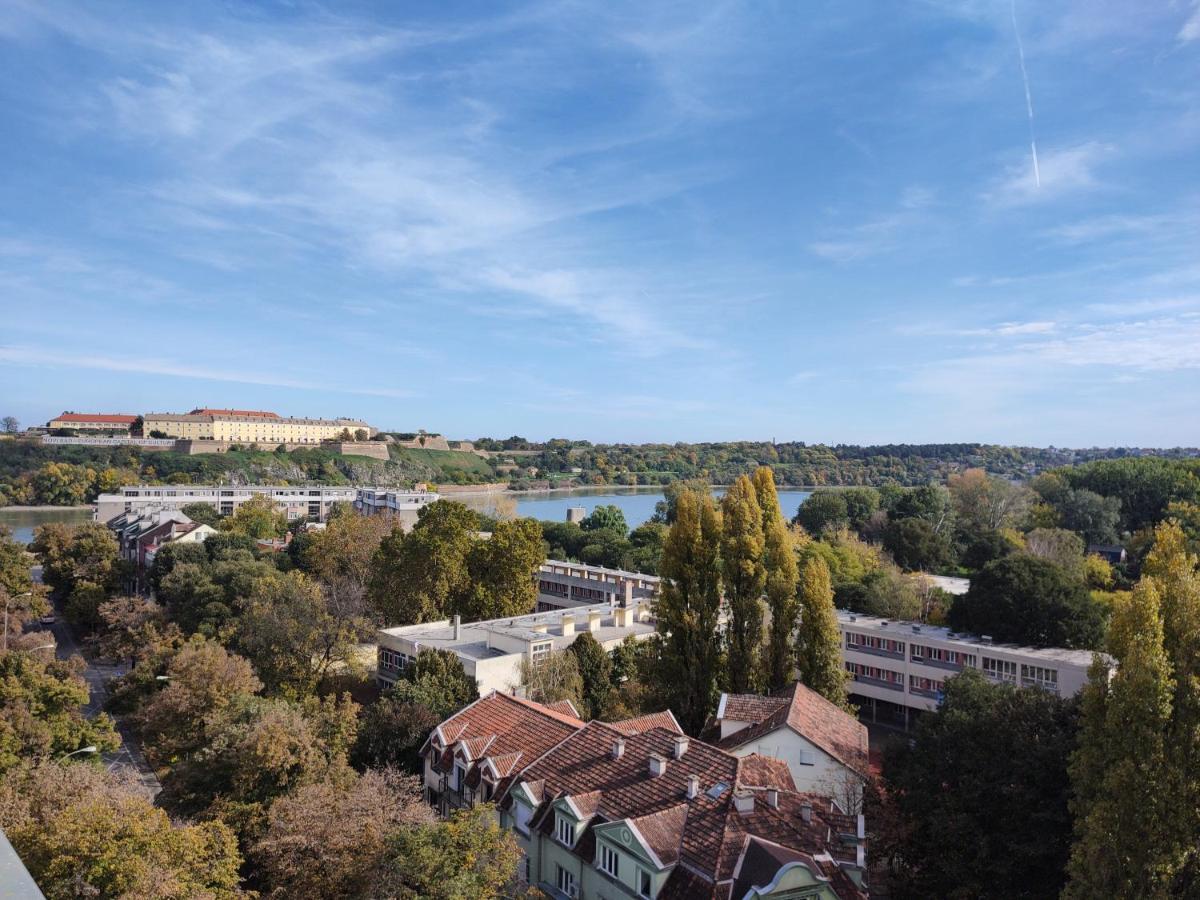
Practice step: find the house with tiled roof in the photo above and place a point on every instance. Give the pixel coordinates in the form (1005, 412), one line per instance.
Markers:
(824, 747)
(639, 809)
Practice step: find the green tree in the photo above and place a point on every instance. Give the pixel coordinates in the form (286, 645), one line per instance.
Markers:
(646, 547)
(976, 798)
(256, 518)
(1024, 600)
(688, 608)
(744, 574)
(915, 545)
(204, 513)
(1126, 845)
(84, 554)
(823, 510)
(779, 557)
(63, 484)
(391, 732)
(437, 681)
(1095, 518)
(553, 679)
(984, 502)
(468, 855)
(173, 554)
(861, 504)
(606, 517)
(818, 641)
(500, 572)
(595, 668)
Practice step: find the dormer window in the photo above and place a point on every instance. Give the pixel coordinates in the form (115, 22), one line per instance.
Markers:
(564, 831)
(610, 861)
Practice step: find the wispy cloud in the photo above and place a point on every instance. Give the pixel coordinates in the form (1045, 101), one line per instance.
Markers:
(877, 235)
(1063, 171)
(1191, 28)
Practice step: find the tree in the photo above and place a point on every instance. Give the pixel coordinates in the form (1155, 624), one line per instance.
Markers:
(1059, 546)
(468, 855)
(63, 484)
(606, 517)
(10, 424)
(984, 502)
(173, 554)
(1145, 486)
(1024, 600)
(595, 668)
(688, 608)
(132, 627)
(1095, 518)
(779, 557)
(41, 710)
(665, 509)
(204, 513)
(85, 554)
(976, 798)
(763, 480)
(915, 545)
(1126, 844)
(391, 732)
(415, 576)
(500, 572)
(258, 518)
(554, 678)
(930, 502)
(823, 510)
(83, 831)
(745, 576)
(346, 548)
(437, 681)
(646, 547)
(329, 840)
(818, 641)
(862, 503)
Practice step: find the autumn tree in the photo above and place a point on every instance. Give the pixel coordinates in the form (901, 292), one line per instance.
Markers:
(688, 609)
(779, 558)
(818, 641)
(984, 502)
(82, 564)
(552, 679)
(500, 572)
(744, 575)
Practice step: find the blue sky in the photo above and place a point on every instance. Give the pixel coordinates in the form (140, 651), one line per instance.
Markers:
(644, 221)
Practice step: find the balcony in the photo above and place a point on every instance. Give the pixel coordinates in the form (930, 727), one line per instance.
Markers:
(879, 682)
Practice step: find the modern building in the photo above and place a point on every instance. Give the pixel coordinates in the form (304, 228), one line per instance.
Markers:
(313, 502)
(491, 652)
(567, 585)
(896, 667)
(637, 809)
(116, 423)
(402, 505)
(825, 748)
(247, 426)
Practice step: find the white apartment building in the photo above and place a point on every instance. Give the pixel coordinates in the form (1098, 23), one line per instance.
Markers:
(296, 501)
(491, 651)
(402, 505)
(567, 585)
(896, 667)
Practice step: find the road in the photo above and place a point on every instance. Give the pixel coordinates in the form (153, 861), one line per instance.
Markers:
(127, 758)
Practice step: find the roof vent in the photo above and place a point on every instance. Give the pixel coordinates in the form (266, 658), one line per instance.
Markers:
(693, 786)
(883, 624)
(916, 629)
(773, 798)
(658, 765)
(681, 745)
(853, 618)
(618, 748)
(986, 638)
(743, 802)
(806, 813)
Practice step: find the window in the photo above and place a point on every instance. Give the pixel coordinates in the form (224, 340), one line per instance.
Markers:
(807, 758)
(522, 814)
(539, 653)
(645, 885)
(460, 776)
(1036, 676)
(565, 881)
(609, 861)
(1000, 669)
(564, 831)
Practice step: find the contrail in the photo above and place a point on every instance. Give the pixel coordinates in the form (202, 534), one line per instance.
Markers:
(1037, 175)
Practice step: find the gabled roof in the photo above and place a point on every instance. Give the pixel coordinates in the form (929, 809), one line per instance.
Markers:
(109, 418)
(566, 707)
(665, 719)
(804, 711)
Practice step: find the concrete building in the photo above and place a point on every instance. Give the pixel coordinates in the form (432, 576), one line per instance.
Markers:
(116, 423)
(825, 748)
(566, 585)
(638, 809)
(491, 652)
(896, 667)
(313, 502)
(402, 505)
(245, 426)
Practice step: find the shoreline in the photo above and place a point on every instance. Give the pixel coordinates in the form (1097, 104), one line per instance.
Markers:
(24, 509)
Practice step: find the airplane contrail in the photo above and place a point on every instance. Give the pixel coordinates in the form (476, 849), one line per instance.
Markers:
(1037, 175)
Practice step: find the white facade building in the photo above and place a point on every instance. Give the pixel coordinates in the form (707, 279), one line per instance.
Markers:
(567, 585)
(491, 652)
(902, 666)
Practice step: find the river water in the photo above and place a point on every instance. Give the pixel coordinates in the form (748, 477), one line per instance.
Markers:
(21, 522)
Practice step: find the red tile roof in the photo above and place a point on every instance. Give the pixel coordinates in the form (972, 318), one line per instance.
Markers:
(807, 713)
(664, 719)
(563, 706)
(256, 413)
(110, 418)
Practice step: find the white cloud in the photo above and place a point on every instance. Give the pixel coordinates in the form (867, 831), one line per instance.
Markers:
(1191, 28)
(1063, 171)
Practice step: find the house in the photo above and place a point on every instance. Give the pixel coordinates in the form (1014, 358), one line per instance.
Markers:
(825, 748)
(1113, 554)
(638, 809)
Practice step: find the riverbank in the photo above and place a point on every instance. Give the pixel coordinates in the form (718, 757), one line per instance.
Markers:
(35, 509)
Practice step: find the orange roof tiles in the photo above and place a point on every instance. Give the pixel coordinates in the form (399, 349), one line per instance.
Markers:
(108, 418)
(664, 719)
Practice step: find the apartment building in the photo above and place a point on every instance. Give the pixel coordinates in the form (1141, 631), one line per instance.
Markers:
(141, 533)
(491, 652)
(566, 585)
(247, 426)
(638, 809)
(312, 502)
(401, 505)
(897, 667)
(99, 422)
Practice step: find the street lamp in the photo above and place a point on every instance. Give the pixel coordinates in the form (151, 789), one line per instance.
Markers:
(89, 750)
(7, 599)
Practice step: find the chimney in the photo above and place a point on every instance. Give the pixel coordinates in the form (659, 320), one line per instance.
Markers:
(681, 745)
(693, 786)
(743, 802)
(593, 621)
(773, 798)
(568, 625)
(621, 616)
(658, 765)
(627, 598)
(457, 626)
(618, 748)
(806, 813)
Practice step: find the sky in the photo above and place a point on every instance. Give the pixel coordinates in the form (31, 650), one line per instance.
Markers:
(850, 222)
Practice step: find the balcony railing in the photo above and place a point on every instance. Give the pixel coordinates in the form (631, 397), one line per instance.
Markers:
(879, 682)
(875, 651)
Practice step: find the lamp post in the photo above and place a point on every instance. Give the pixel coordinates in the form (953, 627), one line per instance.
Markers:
(89, 750)
(7, 599)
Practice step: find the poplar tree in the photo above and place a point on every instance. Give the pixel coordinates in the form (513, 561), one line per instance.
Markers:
(1124, 834)
(745, 577)
(818, 642)
(780, 561)
(688, 608)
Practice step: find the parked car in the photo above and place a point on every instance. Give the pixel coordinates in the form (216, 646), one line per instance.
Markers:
(48, 619)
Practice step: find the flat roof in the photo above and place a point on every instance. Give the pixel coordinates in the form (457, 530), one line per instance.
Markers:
(622, 573)
(900, 628)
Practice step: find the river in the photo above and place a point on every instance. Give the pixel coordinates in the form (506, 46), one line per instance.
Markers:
(21, 522)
